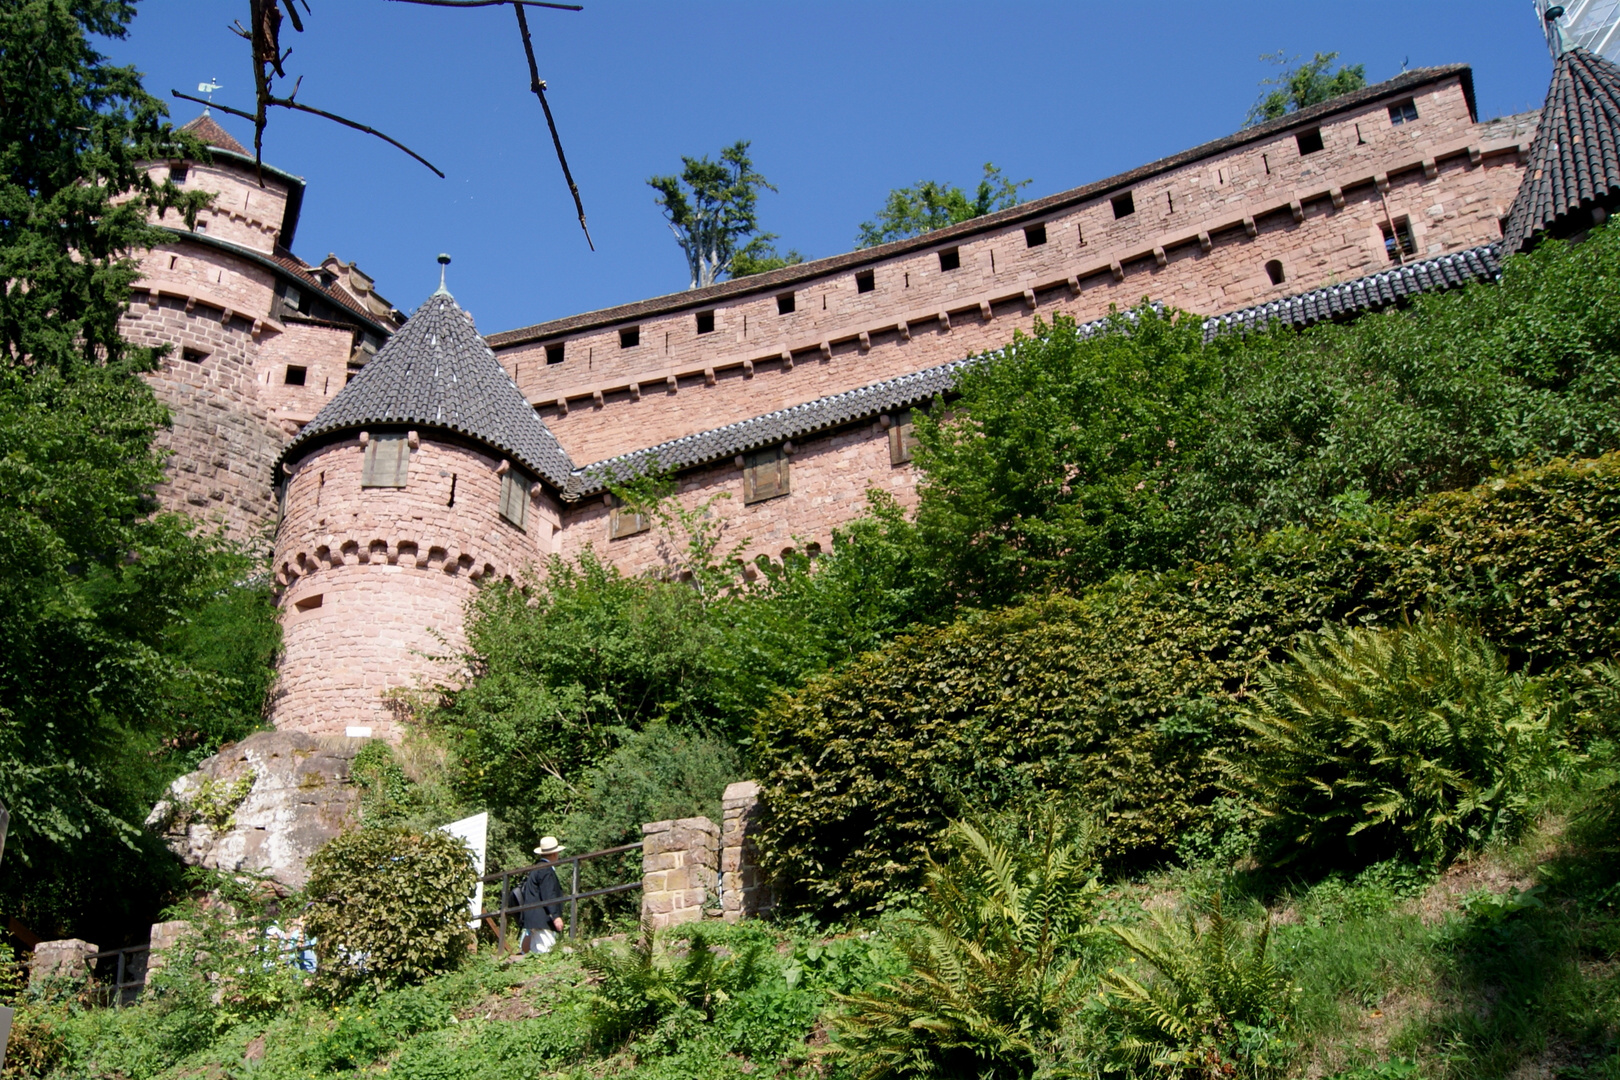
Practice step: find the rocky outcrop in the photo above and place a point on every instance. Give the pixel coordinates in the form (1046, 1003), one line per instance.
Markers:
(265, 804)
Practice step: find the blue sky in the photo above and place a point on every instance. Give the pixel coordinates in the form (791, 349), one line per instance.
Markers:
(843, 101)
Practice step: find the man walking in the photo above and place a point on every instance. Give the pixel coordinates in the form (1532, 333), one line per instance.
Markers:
(542, 924)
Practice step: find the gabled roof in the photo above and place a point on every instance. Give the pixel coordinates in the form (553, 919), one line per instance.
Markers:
(206, 128)
(1330, 302)
(436, 373)
(1573, 163)
(1403, 84)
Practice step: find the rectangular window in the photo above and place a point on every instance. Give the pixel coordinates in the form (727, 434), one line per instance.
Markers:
(705, 322)
(515, 496)
(554, 353)
(295, 375)
(623, 522)
(202, 226)
(1309, 141)
(785, 304)
(950, 260)
(1124, 205)
(630, 338)
(193, 356)
(177, 173)
(1035, 235)
(1398, 242)
(865, 281)
(1402, 111)
(902, 438)
(765, 475)
(388, 461)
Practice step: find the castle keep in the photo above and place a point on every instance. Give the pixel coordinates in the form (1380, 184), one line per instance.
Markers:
(399, 462)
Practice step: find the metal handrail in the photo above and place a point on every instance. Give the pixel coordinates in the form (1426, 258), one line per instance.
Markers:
(119, 983)
(501, 877)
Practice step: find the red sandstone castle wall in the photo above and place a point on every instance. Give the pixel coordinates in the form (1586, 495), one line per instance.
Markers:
(1199, 239)
(830, 475)
(242, 212)
(222, 443)
(372, 582)
(322, 350)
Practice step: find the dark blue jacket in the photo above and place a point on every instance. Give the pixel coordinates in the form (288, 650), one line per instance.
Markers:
(539, 886)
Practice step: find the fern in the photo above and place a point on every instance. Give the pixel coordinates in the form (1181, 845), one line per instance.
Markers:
(992, 966)
(1415, 741)
(1212, 1007)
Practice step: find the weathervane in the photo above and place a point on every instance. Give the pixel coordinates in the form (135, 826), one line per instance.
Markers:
(208, 88)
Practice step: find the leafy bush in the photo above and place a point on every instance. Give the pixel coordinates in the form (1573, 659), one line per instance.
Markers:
(388, 906)
(1214, 1006)
(1416, 741)
(993, 968)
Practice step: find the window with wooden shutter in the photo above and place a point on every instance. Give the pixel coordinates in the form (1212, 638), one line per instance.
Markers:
(623, 522)
(388, 461)
(902, 439)
(515, 497)
(765, 475)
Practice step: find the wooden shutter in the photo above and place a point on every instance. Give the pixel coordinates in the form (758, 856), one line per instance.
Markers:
(902, 438)
(765, 475)
(515, 497)
(388, 460)
(623, 521)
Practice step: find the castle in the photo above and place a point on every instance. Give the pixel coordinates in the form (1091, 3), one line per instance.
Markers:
(398, 462)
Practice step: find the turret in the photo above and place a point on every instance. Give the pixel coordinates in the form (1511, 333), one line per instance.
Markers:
(426, 475)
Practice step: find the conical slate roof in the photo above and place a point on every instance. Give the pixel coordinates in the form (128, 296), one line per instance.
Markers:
(1573, 162)
(206, 128)
(437, 373)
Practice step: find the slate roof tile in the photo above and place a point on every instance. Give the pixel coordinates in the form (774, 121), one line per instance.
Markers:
(1573, 165)
(437, 373)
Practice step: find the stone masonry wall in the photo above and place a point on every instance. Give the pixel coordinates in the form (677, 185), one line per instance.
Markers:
(322, 350)
(1199, 238)
(222, 444)
(679, 870)
(242, 212)
(372, 582)
(829, 476)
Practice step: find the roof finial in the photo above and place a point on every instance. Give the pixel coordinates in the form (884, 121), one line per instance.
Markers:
(1555, 33)
(444, 261)
(208, 88)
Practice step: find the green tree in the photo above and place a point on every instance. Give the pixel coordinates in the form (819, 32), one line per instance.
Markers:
(99, 679)
(714, 215)
(759, 256)
(930, 205)
(1303, 85)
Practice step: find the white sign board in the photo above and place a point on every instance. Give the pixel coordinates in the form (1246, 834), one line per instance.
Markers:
(475, 831)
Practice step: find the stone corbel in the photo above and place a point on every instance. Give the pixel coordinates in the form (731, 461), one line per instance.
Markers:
(225, 316)
(635, 391)
(1431, 168)
(365, 437)
(503, 468)
(191, 302)
(1382, 180)
(673, 384)
(903, 328)
(1029, 299)
(709, 377)
(1337, 195)
(787, 359)
(1475, 155)
(1074, 285)
(1205, 244)
(866, 341)
(826, 351)
(597, 399)
(739, 461)
(984, 310)
(787, 447)
(536, 490)
(562, 406)
(748, 369)
(886, 421)
(1117, 270)
(944, 319)
(1250, 227)
(1296, 208)
(1160, 257)
(413, 440)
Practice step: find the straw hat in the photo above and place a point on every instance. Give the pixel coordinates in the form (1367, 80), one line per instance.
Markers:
(548, 846)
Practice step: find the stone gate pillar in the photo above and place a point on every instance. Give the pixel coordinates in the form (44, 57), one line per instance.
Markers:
(744, 890)
(679, 870)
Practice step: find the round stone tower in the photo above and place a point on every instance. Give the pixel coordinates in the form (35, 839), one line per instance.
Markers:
(427, 474)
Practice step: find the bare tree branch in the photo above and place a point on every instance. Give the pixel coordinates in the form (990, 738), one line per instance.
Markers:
(289, 103)
(539, 87)
(492, 3)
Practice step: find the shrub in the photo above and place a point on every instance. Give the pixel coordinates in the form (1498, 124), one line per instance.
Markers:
(1214, 1006)
(1416, 741)
(993, 970)
(388, 906)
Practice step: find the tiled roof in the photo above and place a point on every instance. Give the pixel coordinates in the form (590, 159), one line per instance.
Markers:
(206, 128)
(437, 373)
(302, 269)
(1403, 83)
(1573, 162)
(1333, 301)
(1364, 294)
